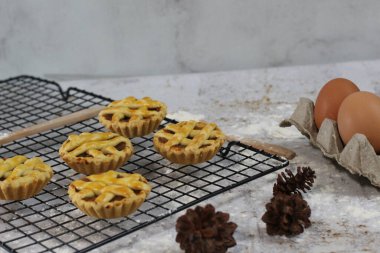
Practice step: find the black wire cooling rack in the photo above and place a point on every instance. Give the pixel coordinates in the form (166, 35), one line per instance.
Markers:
(48, 222)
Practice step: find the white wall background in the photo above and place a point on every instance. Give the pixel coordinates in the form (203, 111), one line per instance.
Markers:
(141, 37)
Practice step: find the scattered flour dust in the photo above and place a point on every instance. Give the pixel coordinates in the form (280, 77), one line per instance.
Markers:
(259, 125)
(183, 116)
(354, 208)
(358, 211)
(267, 126)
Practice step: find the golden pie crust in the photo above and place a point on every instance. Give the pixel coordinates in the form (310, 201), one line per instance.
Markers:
(22, 178)
(110, 194)
(189, 142)
(93, 153)
(133, 117)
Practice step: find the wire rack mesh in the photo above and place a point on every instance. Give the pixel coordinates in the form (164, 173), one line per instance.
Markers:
(48, 222)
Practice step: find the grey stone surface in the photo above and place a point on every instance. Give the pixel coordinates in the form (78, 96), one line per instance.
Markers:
(345, 208)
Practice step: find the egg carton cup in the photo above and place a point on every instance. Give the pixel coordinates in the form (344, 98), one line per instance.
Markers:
(358, 156)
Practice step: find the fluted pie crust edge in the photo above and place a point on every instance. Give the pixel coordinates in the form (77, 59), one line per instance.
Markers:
(144, 121)
(110, 210)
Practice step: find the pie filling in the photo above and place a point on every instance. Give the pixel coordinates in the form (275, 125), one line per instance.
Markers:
(178, 147)
(125, 119)
(162, 140)
(84, 154)
(121, 146)
(157, 109)
(90, 198)
(108, 116)
(115, 198)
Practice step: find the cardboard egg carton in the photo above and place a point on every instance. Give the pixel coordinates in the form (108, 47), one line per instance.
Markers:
(358, 156)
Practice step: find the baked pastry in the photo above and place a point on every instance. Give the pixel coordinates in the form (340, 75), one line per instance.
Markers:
(110, 194)
(93, 153)
(189, 142)
(133, 117)
(22, 178)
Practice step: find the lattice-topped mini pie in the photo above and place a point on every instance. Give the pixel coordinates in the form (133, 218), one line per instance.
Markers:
(133, 117)
(22, 178)
(92, 153)
(189, 142)
(110, 194)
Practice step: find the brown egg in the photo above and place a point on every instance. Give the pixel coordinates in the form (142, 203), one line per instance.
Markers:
(330, 98)
(360, 113)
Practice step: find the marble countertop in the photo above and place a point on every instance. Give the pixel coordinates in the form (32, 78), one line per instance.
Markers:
(345, 208)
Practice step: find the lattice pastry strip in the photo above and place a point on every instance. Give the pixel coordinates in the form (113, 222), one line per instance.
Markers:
(91, 153)
(97, 146)
(22, 178)
(189, 142)
(110, 194)
(131, 117)
(124, 111)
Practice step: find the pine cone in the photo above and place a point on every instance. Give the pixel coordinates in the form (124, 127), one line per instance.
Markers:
(204, 231)
(288, 183)
(287, 214)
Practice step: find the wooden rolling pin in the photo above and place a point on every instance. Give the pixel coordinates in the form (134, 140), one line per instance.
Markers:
(54, 123)
(94, 111)
(267, 147)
